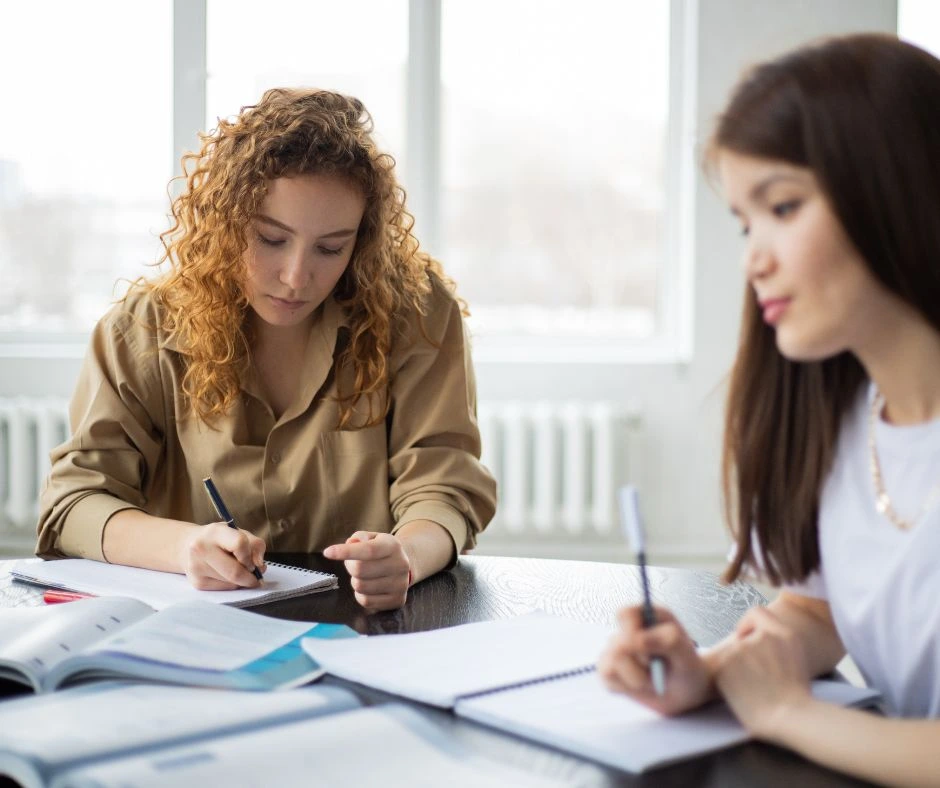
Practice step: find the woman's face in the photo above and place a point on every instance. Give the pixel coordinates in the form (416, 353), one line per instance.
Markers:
(299, 244)
(809, 281)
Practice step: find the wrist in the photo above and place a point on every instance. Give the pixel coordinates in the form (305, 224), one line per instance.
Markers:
(788, 716)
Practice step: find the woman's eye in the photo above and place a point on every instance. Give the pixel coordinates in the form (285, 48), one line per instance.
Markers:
(270, 241)
(783, 209)
(327, 250)
(745, 230)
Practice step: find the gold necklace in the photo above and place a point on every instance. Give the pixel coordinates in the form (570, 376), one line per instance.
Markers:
(882, 499)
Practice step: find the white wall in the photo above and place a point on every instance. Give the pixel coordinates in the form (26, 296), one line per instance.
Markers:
(681, 403)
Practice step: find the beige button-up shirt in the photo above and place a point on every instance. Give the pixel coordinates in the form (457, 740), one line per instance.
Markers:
(297, 481)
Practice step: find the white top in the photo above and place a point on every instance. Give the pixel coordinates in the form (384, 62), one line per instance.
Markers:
(882, 583)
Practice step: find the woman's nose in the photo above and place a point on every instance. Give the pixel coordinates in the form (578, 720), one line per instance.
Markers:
(295, 273)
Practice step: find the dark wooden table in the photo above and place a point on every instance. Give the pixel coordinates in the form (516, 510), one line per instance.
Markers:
(485, 588)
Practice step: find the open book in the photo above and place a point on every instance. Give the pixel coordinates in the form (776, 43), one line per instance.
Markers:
(159, 589)
(194, 643)
(533, 676)
(114, 733)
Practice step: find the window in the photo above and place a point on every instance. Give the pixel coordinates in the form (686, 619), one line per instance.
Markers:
(357, 47)
(535, 138)
(553, 168)
(919, 23)
(85, 152)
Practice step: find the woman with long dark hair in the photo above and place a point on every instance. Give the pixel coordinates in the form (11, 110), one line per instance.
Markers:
(829, 157)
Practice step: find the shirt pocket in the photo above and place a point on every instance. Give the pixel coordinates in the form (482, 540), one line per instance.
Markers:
(356, 470)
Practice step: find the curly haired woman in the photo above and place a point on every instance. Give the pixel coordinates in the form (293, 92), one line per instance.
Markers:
(302, 351)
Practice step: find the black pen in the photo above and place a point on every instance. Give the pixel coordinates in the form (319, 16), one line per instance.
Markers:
(224, 514)
(633, 525)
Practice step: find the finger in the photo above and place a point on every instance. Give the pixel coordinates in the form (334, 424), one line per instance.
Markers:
(622, 672)
(359, 551)
(204, 582)
(226, 567)
(385, 585)
(240, 544)
(362, 536)
(375, 603)
(394, 567)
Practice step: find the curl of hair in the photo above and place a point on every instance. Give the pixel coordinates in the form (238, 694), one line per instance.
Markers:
(862, 112)
(203, 296)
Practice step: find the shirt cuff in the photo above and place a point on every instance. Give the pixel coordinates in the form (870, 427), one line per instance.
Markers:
(82, 533)
(449, 518)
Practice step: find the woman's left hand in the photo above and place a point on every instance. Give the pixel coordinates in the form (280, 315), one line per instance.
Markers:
(379, 567)
(762, 675)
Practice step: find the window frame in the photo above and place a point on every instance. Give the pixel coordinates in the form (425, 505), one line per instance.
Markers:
(673, 343)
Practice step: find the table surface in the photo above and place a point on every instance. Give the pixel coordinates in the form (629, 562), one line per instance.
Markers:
(482, 588)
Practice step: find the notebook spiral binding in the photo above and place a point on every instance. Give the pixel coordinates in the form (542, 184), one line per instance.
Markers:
(519, 685)
(300, 569)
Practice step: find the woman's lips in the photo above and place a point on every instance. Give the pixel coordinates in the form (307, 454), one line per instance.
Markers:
(287, 304)
(773, 309)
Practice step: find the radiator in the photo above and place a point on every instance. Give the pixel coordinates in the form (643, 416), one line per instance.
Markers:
(558, 466)
(29, 430)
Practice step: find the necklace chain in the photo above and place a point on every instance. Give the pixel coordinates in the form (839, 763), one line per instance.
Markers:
(882, 500)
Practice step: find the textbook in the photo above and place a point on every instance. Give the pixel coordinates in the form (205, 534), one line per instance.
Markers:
(534, 676)
(159, 589)
(196, 643)
(45, 736)
(387, 745)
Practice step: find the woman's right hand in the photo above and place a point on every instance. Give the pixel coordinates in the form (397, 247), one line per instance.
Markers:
(216, 557)
(624, 666)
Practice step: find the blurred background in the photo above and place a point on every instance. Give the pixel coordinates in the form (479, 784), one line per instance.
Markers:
(550, 150)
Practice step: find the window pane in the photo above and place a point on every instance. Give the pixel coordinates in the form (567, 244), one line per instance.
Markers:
(85, 154)
(357, 47)
(919, 23)
(554, 131)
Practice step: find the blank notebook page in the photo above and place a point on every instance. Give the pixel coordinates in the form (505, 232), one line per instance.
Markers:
(439, 666)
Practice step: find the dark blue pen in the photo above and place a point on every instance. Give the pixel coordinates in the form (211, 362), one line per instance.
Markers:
(223, 512)
(633, 526)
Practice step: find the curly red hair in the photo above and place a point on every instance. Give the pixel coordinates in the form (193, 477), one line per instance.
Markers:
(289, 132)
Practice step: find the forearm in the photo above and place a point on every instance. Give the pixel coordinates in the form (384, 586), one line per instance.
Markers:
(429, 547)
(135, 538)
(883, 750)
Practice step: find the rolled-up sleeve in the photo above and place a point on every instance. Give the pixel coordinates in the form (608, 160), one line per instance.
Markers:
(116, 417)
(434, 440)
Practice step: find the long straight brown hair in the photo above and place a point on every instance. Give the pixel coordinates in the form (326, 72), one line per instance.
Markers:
(863, 113)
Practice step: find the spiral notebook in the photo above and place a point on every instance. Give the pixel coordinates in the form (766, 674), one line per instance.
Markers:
(534, 676)
(161, 589)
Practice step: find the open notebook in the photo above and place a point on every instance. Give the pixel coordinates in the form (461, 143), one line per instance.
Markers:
(534, 676)
(160, 589)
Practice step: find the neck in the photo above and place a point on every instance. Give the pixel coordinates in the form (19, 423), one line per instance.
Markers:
(280, 338)
(904, 362)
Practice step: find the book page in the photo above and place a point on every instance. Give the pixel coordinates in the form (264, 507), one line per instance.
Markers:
(42, 637)
(400, 749)
(110, 717)
(439, 666)
(202, 635)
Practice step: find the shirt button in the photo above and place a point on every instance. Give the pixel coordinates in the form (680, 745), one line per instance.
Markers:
(285, 524)
(276, 458)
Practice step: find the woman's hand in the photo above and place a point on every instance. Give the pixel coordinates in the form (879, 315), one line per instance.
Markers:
(379, 567)
(762, 674)
(218, 558)
(624, 666)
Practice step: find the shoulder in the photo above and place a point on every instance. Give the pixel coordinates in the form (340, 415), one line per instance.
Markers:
(438, 321)
(134, 324)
